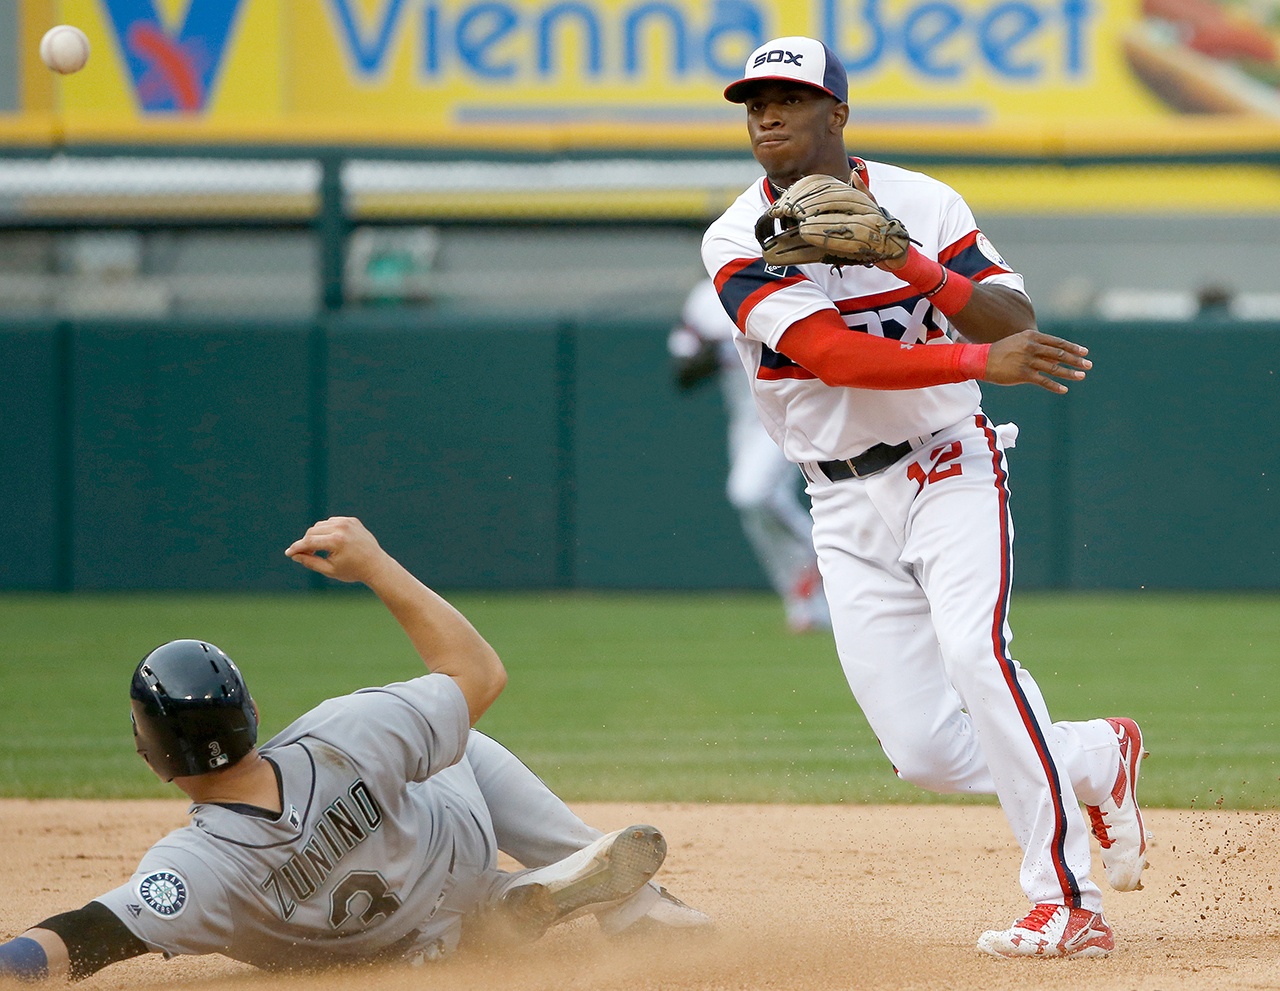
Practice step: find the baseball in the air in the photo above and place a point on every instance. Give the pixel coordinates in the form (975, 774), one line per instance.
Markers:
(64, 49)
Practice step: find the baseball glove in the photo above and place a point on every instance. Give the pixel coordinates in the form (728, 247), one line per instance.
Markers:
(821, 219)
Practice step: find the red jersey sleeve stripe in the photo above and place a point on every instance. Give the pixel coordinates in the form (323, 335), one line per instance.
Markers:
(744, 282)
(951, 250)
(967, 259)
(989, 271)
(728, 271)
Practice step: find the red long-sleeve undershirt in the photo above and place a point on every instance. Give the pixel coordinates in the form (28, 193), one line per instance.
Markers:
(823, 344)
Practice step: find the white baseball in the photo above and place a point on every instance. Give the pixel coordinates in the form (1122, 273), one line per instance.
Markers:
(64, 49)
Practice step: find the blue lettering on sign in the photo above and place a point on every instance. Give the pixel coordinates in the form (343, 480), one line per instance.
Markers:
(941, 40)
(367, 56)
(482, 28)
(732, 21)
(172, 72)
(588, 24)
(1002, 30)
(497, 40)
(633, 23)
(500, 41)
(925, 34)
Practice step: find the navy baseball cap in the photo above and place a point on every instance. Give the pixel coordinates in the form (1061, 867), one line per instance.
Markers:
(795, 60)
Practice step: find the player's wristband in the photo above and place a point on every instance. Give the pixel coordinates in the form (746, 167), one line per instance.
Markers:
(973, 359)
(24, 959)
(943, 288)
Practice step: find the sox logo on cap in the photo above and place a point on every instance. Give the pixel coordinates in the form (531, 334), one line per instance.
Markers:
(793, 59)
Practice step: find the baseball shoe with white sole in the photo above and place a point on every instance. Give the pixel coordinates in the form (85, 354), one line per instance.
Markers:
(1117, 822)
(1051, 931)
(605, 872)
(651, 913)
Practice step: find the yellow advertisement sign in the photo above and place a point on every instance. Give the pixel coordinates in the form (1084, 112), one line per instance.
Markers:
(1034, 77)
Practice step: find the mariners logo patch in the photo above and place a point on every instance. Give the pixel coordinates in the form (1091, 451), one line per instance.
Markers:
(164, 892)
(989, 250)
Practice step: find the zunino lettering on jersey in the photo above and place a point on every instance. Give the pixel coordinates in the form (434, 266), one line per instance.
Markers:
(345, 824)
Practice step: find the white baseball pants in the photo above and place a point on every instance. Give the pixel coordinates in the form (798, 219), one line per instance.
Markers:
(917, 563)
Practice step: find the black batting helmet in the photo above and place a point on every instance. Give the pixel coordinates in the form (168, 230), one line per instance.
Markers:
(192, 713)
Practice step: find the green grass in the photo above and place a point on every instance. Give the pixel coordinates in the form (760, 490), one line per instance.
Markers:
(652, 696)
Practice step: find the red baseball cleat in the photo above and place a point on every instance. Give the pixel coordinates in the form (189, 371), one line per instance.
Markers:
(1117, 822)
(1051, 931)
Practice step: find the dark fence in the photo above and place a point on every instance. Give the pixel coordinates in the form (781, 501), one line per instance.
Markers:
(555, 455)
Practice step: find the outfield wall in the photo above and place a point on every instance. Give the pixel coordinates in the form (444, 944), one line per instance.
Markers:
(187, 455)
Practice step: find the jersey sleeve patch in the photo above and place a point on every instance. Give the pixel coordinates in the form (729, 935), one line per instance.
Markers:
(974, 257)
(164, 893)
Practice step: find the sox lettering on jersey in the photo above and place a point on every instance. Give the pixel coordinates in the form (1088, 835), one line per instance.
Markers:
(344, 825)
(916, 325)
(913, 320)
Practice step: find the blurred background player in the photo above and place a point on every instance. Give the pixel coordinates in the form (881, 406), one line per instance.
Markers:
(763, 486)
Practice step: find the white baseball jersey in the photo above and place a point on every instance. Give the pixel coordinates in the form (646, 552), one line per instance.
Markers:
(808, 420)
(917, 558)
(385, 842)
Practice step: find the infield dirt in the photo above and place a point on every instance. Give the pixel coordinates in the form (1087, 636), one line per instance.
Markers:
(805, 897)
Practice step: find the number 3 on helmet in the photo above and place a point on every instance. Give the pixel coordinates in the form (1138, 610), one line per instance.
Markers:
(192, 713)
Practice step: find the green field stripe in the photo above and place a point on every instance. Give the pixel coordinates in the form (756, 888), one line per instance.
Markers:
(652, 697)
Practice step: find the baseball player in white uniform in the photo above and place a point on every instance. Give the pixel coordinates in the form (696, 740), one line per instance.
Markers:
(369, 829)
(763, 486)
(867, 377)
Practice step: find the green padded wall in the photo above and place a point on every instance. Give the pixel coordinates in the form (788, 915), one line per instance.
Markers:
(445, 437)
(541, 453)
(33, 457)
(191, 451)
(650, 468)
(1174, 459)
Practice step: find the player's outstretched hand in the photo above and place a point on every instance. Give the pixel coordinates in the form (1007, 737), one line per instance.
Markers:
(1032, 357)
(339, 547)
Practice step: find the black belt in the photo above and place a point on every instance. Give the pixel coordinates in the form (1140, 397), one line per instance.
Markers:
(870, 461)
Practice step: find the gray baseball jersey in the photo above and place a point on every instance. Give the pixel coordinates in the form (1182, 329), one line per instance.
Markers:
(384, 843)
